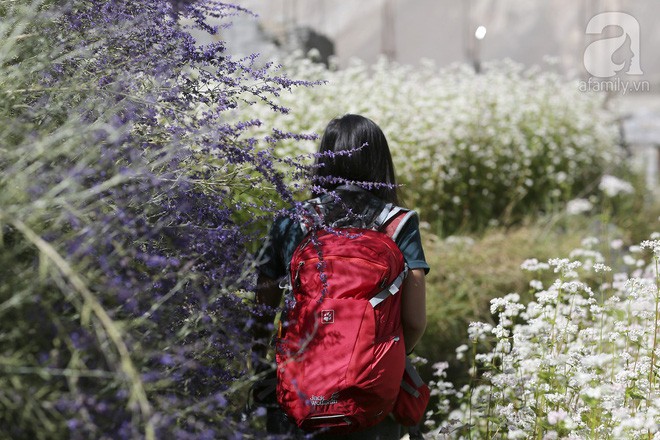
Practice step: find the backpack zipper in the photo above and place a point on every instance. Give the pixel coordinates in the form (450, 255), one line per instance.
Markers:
(339, 257)
(296, 278)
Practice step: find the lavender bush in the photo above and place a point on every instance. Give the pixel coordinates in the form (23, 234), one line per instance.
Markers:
(126, 206)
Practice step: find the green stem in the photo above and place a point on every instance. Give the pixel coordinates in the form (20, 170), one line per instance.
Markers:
(538, 431)
(474, 366)
(553, 341)
(655, 336)
(655, 332)
(92, 305)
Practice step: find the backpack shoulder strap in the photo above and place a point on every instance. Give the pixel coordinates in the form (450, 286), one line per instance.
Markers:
(395, 221)
(384, 216)
(310, 215)
(392, 225)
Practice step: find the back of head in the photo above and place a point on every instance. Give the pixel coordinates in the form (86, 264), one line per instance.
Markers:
(354, 150)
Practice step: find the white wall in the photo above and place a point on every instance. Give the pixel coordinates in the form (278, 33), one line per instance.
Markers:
(443, 30)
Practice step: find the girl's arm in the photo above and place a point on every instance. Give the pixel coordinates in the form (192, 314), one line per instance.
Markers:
(413, 308)
(267, 298)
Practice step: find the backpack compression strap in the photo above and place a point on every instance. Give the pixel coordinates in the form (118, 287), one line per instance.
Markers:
(393, 288)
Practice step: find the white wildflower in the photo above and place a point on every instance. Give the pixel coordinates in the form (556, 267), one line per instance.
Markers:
(440, 369)
(578, 206)
(507, 306)
(555, 417)
(613, 186)
(555, 398)
(589, 255)
(478, 330)
(593, 392)
(590, 242)
(629, 260)
(533, 265)
(564, 265)
(600, 267)
(458, 240)
(596, 361)
(620, 280)
(501, 332)
(461, 350)
(616, 244)
(595, 309)
(547, 296)
(653, 245)
(572, 286)
(536, 285)
(515, 434)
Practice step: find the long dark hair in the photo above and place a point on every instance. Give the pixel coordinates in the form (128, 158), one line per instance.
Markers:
(369, 162)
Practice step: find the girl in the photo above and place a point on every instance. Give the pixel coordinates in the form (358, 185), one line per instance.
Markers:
(355, 165)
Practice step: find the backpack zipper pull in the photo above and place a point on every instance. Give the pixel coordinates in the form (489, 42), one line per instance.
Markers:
(296, 278)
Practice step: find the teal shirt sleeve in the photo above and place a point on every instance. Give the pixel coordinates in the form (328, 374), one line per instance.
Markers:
(410, 243)
(284, 235)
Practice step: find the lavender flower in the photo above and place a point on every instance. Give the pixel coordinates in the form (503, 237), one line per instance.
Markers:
(128, 208)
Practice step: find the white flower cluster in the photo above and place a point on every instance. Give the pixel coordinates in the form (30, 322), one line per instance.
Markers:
(613, 186)
(578, 206)
(465, 145)
(582, 361)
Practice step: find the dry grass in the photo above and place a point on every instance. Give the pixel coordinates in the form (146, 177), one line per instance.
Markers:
(467, 272)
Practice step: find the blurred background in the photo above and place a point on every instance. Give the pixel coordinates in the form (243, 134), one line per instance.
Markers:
(472, 32)
(442, 30)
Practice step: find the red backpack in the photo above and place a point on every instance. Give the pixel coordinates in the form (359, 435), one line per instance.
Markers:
(340, 350)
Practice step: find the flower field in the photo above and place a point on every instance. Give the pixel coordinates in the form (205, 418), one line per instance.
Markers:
(470, 150)
(580, 361)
